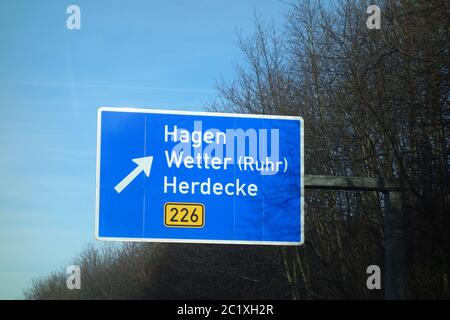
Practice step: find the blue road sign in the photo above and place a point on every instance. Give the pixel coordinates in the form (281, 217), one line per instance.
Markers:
(172, 176)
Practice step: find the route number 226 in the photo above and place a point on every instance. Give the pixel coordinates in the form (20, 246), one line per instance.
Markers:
(181, 214)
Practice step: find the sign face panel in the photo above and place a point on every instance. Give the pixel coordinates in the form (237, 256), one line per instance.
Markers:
(173, 176)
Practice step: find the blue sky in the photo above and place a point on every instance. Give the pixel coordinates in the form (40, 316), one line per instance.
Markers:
(158, 54)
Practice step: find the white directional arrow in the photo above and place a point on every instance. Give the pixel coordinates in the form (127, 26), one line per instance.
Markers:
(143, 164)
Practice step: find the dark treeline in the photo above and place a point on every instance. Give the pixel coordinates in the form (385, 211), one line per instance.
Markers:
(375, 104)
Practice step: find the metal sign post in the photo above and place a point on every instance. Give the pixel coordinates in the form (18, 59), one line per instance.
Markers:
(394, 240)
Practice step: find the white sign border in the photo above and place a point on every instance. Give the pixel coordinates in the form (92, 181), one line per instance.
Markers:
(197, 113)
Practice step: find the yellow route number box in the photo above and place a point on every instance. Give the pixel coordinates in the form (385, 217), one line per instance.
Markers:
(183, 214)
